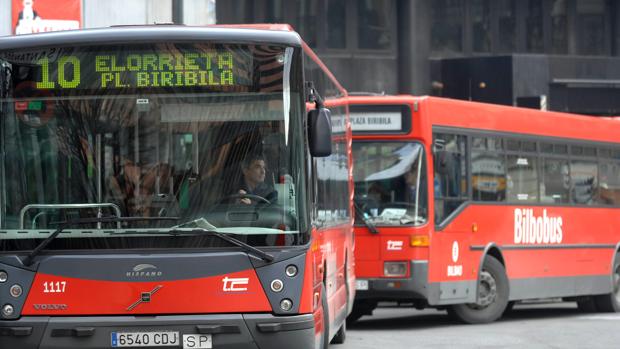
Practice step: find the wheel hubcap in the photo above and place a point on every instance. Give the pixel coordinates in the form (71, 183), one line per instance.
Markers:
(487, 291)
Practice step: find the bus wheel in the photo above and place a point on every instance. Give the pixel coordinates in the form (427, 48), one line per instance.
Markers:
(361, 308)
(341, 335)
(325, 333)
(587, 305)
(610, 303)
(492, 295)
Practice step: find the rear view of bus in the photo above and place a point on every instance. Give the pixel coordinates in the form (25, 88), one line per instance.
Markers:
(154, 191)
(391, 202)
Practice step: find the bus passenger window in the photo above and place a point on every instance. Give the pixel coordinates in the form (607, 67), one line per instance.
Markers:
(522, 179)
(555, 181)
(583, 182)
(609, 188)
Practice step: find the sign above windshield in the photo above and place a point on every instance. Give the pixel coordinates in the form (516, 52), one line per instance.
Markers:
(380, 119)
(230, 68)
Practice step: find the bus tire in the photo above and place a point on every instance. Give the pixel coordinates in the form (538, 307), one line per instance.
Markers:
(610, 303)
(492, 295)
(587, 305)
(360, 308)
(341, 335)
(325, 306)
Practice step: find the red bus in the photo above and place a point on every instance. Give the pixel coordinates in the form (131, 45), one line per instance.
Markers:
(472, 207)
(172, 186)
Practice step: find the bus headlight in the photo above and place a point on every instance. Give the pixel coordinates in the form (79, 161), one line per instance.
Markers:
(277, 285)
(3, 276)
(286, 304)
(15, 291)
(291, 271)
(395, 269)
(7, 310)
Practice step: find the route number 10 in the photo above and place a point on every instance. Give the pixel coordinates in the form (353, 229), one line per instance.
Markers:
(64, 65)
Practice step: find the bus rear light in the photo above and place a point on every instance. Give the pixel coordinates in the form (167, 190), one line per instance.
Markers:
(419, 241)
(395, 269)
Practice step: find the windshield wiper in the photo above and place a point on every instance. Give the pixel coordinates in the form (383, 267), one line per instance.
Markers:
(78, 221)
(360, 213)
(231, 240)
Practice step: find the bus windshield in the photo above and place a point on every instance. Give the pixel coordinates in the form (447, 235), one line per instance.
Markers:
(390, 182)
(210, 133)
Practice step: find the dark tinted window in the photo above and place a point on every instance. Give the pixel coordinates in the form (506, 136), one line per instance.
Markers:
(336, 24)
(447, 25)
(507, 25)
(559, 27)
(591, 27)
(481, 25)
(374, 24)
(534, 26)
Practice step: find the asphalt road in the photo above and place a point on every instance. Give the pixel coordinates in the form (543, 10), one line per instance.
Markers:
(557, 325)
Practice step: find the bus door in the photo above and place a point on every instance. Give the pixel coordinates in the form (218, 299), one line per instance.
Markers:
(452, 266)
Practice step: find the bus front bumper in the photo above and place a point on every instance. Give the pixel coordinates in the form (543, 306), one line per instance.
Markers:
(230, 331)
(396, 289)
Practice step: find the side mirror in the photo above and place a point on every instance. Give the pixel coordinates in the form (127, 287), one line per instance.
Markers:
(320, 132)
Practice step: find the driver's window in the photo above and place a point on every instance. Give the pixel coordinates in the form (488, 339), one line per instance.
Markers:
(450, 174)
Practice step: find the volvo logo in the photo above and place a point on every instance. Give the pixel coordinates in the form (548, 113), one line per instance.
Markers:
(50, 306)
(145, 297)
(144, 270)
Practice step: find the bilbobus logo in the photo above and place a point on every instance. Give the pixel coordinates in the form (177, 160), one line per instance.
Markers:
(531, 229)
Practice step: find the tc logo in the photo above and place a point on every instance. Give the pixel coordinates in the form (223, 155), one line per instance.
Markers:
(235, 284)
(394, 245)
(455, 252)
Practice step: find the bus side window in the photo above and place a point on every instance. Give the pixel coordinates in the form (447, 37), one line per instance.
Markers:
(450, 174)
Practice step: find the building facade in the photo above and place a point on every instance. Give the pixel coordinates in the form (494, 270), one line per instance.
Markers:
(553, 54)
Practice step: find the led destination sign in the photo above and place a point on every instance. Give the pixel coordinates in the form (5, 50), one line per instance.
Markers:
(139, 70)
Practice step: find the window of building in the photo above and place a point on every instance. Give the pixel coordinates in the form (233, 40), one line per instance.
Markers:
(591, 27)
(374, 25)
(481, 25)
(534, 26)
(507, 25)
(307, 19)
(274, 13)
(336, 24)
(447, 25)
(559, 27)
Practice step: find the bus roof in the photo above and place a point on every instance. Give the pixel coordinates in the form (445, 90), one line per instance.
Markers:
(499, 118)
(152, 33)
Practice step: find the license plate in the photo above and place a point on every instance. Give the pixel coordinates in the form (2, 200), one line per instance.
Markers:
(197, 341)
(361, 285)
(144, 339)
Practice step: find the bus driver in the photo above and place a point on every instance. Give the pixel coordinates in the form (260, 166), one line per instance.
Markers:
(253, 181)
